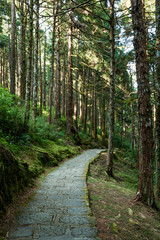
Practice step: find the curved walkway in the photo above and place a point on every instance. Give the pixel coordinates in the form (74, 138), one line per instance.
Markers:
(59, 209)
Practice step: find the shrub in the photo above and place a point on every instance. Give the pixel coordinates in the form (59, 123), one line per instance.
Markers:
(11, 116)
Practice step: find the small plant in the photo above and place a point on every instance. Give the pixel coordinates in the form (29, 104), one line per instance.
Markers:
(11, 116)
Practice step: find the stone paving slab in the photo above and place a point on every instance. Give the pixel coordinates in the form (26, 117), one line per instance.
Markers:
(59, 208)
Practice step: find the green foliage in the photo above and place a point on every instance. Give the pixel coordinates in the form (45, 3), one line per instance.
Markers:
(3, 40)
(43, 130)
(11, 117)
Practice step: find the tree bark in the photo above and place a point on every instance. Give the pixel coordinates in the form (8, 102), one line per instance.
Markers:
(86, 103)
(36, 69)
(76, 92)
(3, 71)
(95, 109)
(64, 86)
(80, 97)
(40, 80)
(52, 68)
(158, 96)
(112, 93)
(83, 94)
(13, 60)
(29, 78)
(17, 70)
(145, 186)
(23, 50)
(154, 107)
(44, 74)
(58, 77)
(133, 120)
(103, 116)
(69, 103)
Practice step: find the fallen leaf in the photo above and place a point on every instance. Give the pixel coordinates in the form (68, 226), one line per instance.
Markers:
(114, 225)
(142, 215)
(133, 222)
(118, 216)
(130, 211)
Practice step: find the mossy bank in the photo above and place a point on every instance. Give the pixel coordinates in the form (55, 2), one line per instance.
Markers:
(19, 167)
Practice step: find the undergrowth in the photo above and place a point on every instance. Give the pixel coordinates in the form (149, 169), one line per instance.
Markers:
(117, 215)
(34, 147)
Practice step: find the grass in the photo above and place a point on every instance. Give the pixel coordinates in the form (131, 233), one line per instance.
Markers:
(117, 215)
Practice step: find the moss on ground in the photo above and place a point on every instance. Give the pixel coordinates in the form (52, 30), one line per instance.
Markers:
(14, 177)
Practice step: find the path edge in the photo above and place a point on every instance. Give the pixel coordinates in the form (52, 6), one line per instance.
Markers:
(86, 196)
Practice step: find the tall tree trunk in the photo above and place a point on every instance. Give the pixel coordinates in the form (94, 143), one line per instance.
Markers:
(133, 127)
(64, 86)
(33, 63)
(36, 75)
(69, 103)
(103, 116)
(58, 77)
(17, 68)
(52, 68)
(13, 60)
(95, 109)
(9, 50)
(7, 75)
(80, 97)
(86, 103)
(29, 77)
(90, 108)
(145, 186)
(40, 80)
(23, 50)
(154, 107)
(112, 93)
(3, 72)
(122, 127)
(76, 92)
(92, 105)
(158, 96)
(83, 94)
(44, 74)
(133, 120)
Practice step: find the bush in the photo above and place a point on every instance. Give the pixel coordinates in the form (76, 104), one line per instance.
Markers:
(44, 130)
(11, 116)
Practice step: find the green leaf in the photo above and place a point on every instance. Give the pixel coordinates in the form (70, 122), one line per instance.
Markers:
(114, 226)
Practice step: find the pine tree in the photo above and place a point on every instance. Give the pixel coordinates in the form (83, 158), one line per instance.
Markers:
(13, 57)
(112, 92)
(145, 186)
(158, 96)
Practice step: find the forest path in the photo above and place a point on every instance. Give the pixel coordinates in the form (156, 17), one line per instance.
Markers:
(59, 208)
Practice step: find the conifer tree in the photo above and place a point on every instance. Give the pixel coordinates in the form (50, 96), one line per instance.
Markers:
(145, 186)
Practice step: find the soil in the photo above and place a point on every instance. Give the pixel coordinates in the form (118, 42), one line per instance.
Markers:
(117, 215)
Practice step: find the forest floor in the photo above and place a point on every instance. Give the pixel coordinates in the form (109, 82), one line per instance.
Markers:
(117, 215)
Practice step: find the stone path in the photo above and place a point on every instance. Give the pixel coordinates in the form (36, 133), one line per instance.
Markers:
(59, 209)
